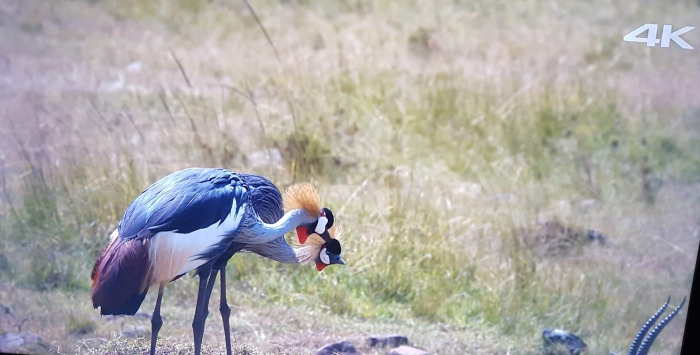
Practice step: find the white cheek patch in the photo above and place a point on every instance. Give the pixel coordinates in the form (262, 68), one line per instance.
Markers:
(324, 257)
(321, 225)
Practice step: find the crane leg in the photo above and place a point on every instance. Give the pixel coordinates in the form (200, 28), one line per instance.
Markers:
(206, 285)
(225, 311)
(156, 320)
(199, 317)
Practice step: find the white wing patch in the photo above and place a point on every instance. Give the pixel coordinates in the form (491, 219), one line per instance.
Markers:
(172, 254)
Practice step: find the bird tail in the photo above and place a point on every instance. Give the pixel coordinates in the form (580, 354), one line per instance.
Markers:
(119, 277)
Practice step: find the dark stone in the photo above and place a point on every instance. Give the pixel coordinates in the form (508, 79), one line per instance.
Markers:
(594, 236)
(388, 341)
(339, 348)
(5, 310)
(406, 350)
(557, 337)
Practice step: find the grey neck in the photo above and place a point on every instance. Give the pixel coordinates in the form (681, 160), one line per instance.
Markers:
(260, 232)
(277, 250)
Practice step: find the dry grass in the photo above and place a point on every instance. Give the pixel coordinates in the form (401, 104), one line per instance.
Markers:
(436, 132)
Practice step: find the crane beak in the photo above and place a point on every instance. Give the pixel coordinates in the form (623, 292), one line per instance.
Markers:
(332, 259)
(320, 266)
(335, 259)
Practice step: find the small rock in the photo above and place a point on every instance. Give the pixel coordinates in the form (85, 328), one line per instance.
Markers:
(594, 235)
(554, 337)
(389, 341)
(406, 350)
(339, 348)
(5, 310)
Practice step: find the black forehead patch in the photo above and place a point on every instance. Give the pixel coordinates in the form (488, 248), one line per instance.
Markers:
(333, 246)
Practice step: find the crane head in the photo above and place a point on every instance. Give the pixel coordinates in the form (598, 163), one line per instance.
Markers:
(329, 255)
(323, 250)
(304, 196)
(324, 247)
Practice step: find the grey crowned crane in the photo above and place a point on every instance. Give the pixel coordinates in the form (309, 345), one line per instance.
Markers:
(196, 219)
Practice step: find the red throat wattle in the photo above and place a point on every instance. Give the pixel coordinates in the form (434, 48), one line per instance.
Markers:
(320, 265)
(301, 232)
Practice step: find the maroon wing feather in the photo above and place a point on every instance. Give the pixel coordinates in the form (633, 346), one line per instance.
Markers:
(118, 277)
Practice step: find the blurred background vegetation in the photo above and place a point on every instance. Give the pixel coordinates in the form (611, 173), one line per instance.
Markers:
(446, 136)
